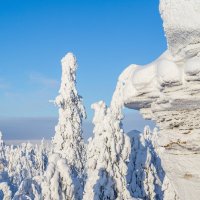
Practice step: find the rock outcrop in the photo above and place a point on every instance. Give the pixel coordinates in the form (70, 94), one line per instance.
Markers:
(168, 92)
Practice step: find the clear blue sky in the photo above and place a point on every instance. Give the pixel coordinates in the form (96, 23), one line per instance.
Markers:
(105, 35)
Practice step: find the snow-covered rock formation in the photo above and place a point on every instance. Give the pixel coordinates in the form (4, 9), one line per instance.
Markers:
(168, 92)
(182, 26)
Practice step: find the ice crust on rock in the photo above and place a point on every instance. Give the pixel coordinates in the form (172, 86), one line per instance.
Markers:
(182, 26)
(168, 92)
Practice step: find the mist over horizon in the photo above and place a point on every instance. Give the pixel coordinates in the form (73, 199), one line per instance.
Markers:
(32, 128)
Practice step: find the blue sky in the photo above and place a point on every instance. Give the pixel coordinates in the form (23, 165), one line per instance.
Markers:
(105, 35)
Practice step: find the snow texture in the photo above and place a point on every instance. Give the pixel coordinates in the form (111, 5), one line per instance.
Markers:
(182, 26)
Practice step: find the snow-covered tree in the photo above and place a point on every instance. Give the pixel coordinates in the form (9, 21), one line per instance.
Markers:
(28, 189)
(3, 162)
(41, 157)
(108, 153)
(25, 164)
(142, 172)
(68, 140)
(5, 192)
(146, 176)
(20, 164)
(58, 182)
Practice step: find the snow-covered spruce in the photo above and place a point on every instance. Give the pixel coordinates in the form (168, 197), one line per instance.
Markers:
(3, 161)
(23, 172)
(5, 184)
(108, 152)
(59, 182)
(68, 140)
(5, 192)
(146, 176)
(25, 162)
(41, 155)
(29, 189)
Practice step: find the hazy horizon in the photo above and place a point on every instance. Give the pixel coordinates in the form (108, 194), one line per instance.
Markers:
(38, 128)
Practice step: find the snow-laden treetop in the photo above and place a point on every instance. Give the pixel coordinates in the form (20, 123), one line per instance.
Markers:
(182, 25)
(69, 60)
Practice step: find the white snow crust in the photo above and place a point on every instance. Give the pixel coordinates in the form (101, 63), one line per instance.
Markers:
(182, 26)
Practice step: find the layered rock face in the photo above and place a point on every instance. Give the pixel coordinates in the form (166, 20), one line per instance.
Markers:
(168, 92)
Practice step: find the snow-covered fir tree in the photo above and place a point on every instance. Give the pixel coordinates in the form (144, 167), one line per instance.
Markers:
(25, 168)
(22, 163)
(59, 183)
(146, 176)
(99, 185)
(3, 161)
(42, 156)
(142, 176)
(5, 191)
(68, 141)
(28, 189)
(108, 154)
